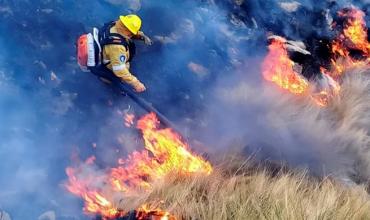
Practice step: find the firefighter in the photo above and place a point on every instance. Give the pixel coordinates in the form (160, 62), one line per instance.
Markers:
(112, 49)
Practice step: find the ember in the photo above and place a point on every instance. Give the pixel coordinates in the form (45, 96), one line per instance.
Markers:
(146, 213)
(143, 213)
(129, 120)
(164, 153)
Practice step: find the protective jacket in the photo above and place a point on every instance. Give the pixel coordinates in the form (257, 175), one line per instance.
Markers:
(117, 52)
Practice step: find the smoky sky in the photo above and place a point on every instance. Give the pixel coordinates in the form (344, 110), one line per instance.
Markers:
(51, 111)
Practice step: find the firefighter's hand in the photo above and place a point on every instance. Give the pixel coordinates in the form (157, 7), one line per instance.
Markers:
(148, 41)
(139, 87)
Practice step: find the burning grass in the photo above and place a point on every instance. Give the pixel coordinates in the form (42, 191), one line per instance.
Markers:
(164, 152)
(278, 67)
(232, 189)
(167, 180)
(246, 193)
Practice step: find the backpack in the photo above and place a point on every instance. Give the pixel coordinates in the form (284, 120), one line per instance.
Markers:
(90, 46)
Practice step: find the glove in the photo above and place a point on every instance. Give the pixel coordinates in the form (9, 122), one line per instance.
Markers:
(148, 41)
(139, 87)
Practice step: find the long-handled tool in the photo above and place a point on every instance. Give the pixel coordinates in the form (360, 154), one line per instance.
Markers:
(147, 106)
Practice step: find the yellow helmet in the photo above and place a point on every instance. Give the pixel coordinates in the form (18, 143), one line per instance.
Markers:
(131, 22)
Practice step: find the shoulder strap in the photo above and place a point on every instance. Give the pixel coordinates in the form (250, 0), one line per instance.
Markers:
(108, 38)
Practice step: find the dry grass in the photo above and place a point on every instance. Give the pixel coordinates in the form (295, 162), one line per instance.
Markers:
(242, 193)
(334, 140)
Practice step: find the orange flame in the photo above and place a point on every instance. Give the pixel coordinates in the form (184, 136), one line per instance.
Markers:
(323, 97)
(278, 68)
(165, 152)
(95, 202)
(354, 36)
(129, 120)
(356, 30)
(155, 214)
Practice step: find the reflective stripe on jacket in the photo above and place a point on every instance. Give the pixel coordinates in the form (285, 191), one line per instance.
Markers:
(117, 56)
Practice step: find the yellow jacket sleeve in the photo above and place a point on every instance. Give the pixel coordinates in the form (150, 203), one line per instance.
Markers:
(118, 57)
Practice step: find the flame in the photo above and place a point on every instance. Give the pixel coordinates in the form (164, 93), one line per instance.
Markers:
(167, 153)
(323, 97)
(164, 152)
(356, 30)
(278, 68)
(95, 202)
(146, 211)
(353, 36)
(129, 120)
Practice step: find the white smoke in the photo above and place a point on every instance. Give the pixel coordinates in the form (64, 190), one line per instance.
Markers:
(285, 128)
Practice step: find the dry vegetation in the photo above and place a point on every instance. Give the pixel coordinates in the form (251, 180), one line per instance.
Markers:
(242, 191)
(247, 193)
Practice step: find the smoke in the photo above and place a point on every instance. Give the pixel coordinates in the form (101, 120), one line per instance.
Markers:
(276, 126)
(50, 110)
(51, 113)
(282, 128)
(279, 127)
(351, 114)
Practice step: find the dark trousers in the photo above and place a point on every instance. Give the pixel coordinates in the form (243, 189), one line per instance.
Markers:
(107, 76)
